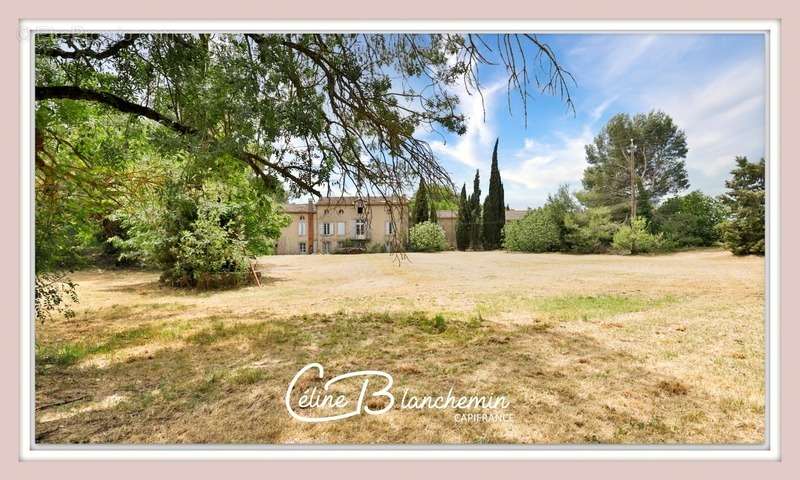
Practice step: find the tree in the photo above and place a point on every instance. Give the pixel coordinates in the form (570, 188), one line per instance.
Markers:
(743, 231)
(633, 158)
(494, 213)
(691, 220)
(422, 211)
(201, 231)
(475, 213)
(310, 110)
(463, 225)
(589, 230)
(560, 206)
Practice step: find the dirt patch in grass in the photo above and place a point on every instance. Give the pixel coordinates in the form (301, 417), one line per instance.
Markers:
(588, 349)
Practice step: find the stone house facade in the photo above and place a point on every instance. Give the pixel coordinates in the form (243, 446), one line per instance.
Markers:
(335, 224)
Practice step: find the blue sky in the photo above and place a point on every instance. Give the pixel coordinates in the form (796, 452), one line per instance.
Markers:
(712, 85)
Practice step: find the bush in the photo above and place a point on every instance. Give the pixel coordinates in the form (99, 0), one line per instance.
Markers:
(689, 221)
(636, 239)
(589, 231)
(201, 235)
(537, 231)
(428, 237)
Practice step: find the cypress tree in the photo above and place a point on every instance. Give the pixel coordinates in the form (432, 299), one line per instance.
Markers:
(421, 210)
(475, 213)
(494, 212)
(433, 218)
(463, 225)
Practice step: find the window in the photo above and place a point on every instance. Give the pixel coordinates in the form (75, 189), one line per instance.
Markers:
(390, 228)
(326, 228)
(361, 227)
(341, 212)
(302, 247)
(360, 207)
(326, 247)
(301, 226)
(327, 211)
(340, 228)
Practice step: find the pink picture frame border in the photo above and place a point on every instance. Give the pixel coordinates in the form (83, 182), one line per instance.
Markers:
(789, 17)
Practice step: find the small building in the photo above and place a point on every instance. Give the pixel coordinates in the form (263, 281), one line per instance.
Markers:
(341, 223)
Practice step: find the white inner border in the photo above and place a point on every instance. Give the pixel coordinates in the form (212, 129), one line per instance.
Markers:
(770, 451)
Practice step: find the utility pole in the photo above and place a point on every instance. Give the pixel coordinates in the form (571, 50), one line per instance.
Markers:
(631, 158)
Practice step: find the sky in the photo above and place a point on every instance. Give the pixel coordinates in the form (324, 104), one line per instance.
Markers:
(712, 85)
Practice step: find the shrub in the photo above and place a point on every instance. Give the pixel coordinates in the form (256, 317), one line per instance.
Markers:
(590, 230)
(537, 231)
(689, 221)
(636, 239)
(428, 237)
(201, 235)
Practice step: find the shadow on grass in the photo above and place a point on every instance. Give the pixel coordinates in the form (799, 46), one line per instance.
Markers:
(224, 383)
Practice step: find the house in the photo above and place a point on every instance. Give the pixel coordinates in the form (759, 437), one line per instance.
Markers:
(340, 223)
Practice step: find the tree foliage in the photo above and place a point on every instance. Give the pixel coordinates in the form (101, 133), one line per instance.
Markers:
(428, 237)
(636, 238)
(494, 210)
(589, 230)
(659, 167)
(312, 110)
(691, 220)
(464, 221)
(560, 206)
(743, 232)
(537, 231)
(421, 207)
(475, 213)
(195, 227)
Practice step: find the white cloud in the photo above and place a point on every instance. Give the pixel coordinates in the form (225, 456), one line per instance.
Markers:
(627, 53)
(471, 148)
(722, 118)
(542, 167)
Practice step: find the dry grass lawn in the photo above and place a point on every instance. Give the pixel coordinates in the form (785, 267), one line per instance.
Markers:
(588, 349)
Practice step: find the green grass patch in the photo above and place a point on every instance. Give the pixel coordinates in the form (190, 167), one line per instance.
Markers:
(590, 307)
(65, 354)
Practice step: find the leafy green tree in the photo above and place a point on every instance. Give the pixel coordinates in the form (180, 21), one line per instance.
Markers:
(560, 206)
(691, 220)
(475, 213)
(201, 231)
(309, 109)
(464, 223)
(589, 230)
(657, 157)
(427, 237)
(743, 231)
(494, 213)
(421, 208)
(535, 232)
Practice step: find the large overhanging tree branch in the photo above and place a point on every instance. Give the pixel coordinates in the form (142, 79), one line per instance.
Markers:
(118, 103)
(337, 111)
